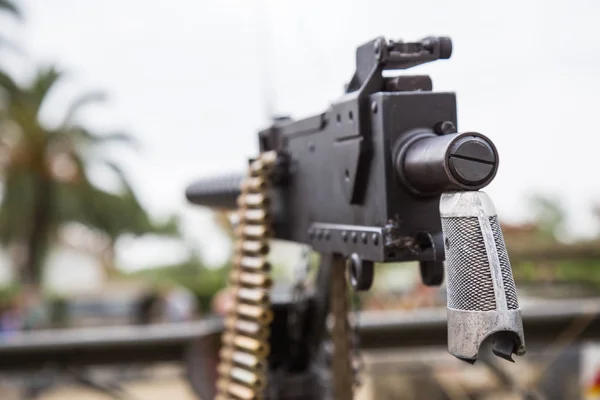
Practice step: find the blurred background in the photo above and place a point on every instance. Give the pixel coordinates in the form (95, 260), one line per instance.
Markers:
(109, 109)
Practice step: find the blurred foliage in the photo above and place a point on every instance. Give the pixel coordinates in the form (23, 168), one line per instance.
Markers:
(10, 7)
(8, 294)
(549, 216)
(525, 271)
(192, 274)
(58, 312)
(577, 265)
(11, 291)
(587, 270)
(45, 175)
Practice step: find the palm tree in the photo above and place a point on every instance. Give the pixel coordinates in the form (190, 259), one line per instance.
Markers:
(45, 174)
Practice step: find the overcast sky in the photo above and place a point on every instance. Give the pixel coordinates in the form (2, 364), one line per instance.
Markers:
(194, 80)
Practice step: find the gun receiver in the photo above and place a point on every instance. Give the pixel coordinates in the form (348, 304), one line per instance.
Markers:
(364, 180)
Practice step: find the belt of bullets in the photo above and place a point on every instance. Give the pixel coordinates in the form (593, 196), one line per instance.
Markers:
(243, 362)
(243, 358)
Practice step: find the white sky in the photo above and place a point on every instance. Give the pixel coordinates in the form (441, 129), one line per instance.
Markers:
(191, 80)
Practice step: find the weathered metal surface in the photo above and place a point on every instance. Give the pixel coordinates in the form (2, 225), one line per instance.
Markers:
(482, 299)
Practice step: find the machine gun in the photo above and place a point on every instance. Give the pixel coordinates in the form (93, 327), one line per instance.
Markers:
(381, 176)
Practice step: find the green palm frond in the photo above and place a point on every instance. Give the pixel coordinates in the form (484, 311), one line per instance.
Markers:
(46, 78)
(9, 6)
(118, 171)
(83, 136)
(80, 102)
(110, 213)
(170, 227)
(83, 203)
(113, 214)
(8, 85)
(117, 137)
(122, 214)
(16, 207)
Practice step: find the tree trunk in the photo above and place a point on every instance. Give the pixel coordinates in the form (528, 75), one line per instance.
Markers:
(107, 259)
(37, 242)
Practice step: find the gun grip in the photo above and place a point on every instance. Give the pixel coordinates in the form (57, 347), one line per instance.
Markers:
(482, 298)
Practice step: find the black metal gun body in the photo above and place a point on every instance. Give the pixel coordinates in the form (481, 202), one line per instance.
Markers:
(384, 176)
(382, 221)
(343, 183)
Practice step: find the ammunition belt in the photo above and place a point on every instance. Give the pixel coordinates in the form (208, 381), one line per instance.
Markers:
(244, 351)
(243, 358)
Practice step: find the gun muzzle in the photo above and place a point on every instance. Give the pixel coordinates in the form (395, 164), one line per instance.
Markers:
(432, 164)
(218, 192)
(482, 299)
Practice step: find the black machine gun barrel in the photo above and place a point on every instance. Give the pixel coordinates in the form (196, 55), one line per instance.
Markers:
(216, 192)
(426, 163)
